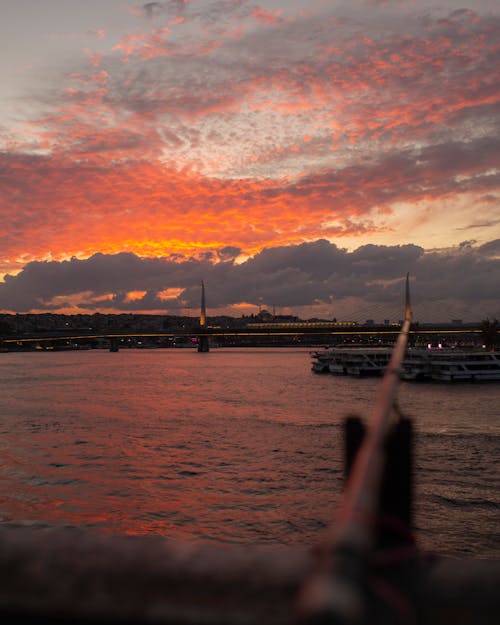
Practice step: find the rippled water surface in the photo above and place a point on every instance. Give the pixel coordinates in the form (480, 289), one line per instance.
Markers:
(234, 445)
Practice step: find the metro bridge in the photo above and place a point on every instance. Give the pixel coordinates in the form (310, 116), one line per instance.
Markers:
(201, 335)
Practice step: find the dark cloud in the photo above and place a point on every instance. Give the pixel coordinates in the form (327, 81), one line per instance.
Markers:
(40, 282)
(154, 9)
(409, 174)
(151, 9)
(293, 276)
(467, 244)
(208, 11)
(230, 252)
(492, 248)
(480, 224)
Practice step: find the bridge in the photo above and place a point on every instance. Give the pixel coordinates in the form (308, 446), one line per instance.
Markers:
(202, 335)
(288, 333)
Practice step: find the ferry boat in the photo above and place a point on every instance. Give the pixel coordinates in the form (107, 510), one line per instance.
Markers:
(321, 361)
(355, 361)
(456, 366)
(416, 365)
(443, 365)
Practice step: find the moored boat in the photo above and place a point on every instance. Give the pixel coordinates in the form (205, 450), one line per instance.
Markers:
(442, 365)
(355, 361)
(458, 366)
(321, 361)
(416, 365)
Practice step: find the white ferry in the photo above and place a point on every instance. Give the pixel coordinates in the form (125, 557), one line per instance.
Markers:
(416, 365)
(356, 361)
(321, 361)
(456, 366)
(443, 365)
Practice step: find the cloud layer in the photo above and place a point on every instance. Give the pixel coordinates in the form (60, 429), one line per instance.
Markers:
(218, 125)
(316, 277)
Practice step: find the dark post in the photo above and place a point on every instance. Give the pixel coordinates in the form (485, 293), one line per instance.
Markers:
(203, 344)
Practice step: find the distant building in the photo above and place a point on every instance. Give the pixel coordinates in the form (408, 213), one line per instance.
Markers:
(264, 315)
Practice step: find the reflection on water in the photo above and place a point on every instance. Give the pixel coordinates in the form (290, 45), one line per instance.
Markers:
(235, 446)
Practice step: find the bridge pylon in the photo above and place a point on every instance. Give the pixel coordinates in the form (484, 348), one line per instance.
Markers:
(203, 344)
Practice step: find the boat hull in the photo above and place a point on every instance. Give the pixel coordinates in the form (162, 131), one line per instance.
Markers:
(419, 364)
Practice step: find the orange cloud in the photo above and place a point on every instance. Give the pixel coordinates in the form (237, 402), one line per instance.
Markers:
(76, 209)
(246, 141)
(148, 45)
(63, 207)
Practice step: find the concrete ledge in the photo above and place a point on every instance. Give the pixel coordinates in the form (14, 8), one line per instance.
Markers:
(76, 574)
(81, 577)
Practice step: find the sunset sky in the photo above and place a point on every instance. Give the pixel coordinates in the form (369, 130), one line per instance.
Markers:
(296, 154)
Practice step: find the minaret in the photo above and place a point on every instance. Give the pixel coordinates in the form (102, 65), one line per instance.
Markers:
(203, 311)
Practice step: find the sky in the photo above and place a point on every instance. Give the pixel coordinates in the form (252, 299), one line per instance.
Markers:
(298, 155)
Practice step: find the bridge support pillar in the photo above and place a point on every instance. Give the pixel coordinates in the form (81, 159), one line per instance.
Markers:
(203, 344)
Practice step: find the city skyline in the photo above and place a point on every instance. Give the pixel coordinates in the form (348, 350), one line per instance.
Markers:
(302, 155)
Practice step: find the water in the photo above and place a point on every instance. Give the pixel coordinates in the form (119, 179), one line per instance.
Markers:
(235, 446)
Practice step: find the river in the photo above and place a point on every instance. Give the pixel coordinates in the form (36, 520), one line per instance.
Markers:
(234, 446)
